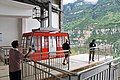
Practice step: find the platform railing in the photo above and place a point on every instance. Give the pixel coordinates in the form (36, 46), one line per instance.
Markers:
(37, 71)
(32, 70)
(100, 50)
(55, 59)
(4, 54)
(52, 58)
(106, 71)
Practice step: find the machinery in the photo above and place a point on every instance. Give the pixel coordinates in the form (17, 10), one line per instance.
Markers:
(47, 39)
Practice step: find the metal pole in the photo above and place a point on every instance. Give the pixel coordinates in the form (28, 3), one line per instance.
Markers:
(22, 70)
(79, 77)
(98, 53)
(42, 16)
(50, 14)
(35, 71)
(109, 78)
(68, 60)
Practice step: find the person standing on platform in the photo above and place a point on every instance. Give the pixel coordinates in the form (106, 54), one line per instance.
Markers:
(66, 46)
(14, 60)
(92, 46)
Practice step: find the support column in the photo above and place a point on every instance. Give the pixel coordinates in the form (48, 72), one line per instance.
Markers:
(60, 14)
(42, 16)
(50, 14)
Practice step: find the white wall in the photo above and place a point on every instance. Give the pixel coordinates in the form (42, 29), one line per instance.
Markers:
(15, 19)
(28, 24)
(11, 8)
(9, 29)
(55, 20)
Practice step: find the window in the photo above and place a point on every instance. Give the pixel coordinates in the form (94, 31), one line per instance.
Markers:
(0, 36)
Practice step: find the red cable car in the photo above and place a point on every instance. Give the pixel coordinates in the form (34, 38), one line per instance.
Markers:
(44, 43)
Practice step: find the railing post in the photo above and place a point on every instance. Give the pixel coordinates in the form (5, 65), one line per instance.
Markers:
(69, 77)
(68, 60)
(109, 77)
(79, 77)
(22, 70)
(35, 70)
(98, 53)
(49, 60)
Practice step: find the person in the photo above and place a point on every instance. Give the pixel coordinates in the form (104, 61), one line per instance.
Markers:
(33, 48)
(66, 46)
(92, 46)
(14, 60)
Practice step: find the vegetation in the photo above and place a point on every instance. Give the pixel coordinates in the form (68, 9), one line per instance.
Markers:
(102, 20)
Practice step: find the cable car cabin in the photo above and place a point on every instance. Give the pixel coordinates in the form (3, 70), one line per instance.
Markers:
(44, 44)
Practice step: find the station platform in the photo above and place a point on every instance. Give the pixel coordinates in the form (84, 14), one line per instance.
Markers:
(77, 64)
(81, 61)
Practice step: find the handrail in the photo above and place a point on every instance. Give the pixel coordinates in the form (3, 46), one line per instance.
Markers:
(55, 68)
(98, 66)
(44, 70)
(4, 76)
(54, 51)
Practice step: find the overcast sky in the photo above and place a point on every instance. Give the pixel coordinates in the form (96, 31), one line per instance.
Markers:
(71, 1)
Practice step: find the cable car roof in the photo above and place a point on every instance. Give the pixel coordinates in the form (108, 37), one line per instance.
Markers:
(45, 34)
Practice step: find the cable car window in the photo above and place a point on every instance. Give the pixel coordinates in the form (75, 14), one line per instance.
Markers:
(52, 44)
(0, 36)
(33, 44)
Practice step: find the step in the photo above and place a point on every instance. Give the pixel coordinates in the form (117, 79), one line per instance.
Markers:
(4, 72)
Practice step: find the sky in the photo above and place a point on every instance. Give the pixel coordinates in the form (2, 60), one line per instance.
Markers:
(71, 1)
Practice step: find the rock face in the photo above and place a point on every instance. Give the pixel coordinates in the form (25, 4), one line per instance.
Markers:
(101, 20)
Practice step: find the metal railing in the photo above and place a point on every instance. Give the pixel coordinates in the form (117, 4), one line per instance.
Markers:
(100, 49)
(51, 59)
(106, 71)
(37, 71)
(4, 54)
(32, 70)
(55, 59)
(47, 69)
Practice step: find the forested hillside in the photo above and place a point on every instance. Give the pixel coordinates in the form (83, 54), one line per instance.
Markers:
(84, 21)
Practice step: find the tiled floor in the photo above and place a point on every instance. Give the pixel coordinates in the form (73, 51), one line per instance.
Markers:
(4, 72)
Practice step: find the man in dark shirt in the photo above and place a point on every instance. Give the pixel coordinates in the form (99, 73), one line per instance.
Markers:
(92, 46)
(15, 57)
(66, 46)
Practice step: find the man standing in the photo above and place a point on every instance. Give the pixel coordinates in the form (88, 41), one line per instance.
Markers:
(92, 46)
(66, 46)
(14, 61)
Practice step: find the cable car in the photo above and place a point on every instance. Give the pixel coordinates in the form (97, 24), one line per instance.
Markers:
(44, 44)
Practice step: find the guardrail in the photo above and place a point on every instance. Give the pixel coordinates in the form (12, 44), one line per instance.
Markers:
(100, 49)
(106, 71)
(50, 59)
(32, 70)
(4, 54)
(37, 71)
(56, 60)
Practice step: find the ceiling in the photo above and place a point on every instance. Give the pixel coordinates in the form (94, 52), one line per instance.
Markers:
(16, 4)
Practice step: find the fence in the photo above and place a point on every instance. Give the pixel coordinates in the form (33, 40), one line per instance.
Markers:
(4, 54)
(101, 49)
(39, 71)
(32, 70)
(105, 71)
(47, 70)
(52, 59)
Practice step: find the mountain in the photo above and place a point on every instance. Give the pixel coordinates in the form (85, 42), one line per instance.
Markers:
(101, 21)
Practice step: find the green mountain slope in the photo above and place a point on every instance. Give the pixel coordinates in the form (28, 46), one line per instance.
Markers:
(82, 16)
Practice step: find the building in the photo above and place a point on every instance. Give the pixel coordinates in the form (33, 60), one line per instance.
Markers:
(16, 17)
